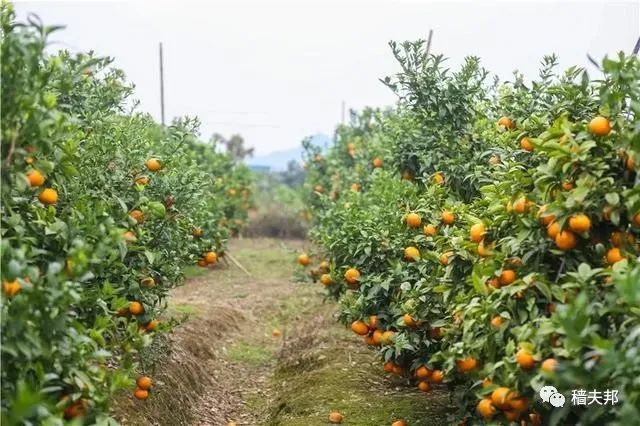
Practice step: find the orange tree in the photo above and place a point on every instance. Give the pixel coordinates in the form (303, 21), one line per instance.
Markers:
(494, 246)
(102, 209)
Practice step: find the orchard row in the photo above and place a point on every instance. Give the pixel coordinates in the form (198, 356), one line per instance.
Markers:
(484, 236)
(102, 210)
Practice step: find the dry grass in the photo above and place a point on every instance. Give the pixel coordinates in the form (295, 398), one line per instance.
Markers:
(224, 364)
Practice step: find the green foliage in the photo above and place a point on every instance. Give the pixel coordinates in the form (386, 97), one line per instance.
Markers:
(68, 342)
(443, 149)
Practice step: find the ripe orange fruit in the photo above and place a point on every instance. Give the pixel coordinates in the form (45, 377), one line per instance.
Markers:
(35, 178)
(580, 223)
(373, 322)
(438, 178)
(630, 164)
(304, 259)
(210, 257)
(485, 409)
(494, 282)
(437, 376)
(360, 328)
(507, 276)
(324, 266)
(483, 251)
(141, 394)
(413, 220)
(526, 144)
(567, 185)
(409, 321)
(152, 325)
(137, 215)
(11, 288)
(553, 230)
(466, 365)
(566, 240)
(448, 218)
(636, 219)
(444, 258)
(387, 338)
(377, 337)
(388, 367)
(614, 255)
(335, 417)
(144, 382)
(399, 423)
(355, 187)
(129, 236)
(430, 230)
(505, 122)
(435, 333)
(377, 162)
(599, 126)
(48, 196)
(411, 254)
(276, 332)
(477, 232)
(136, 308)
(352, 276)
(424, 386)
(549, 365)
(525, 359)
(422, 372)
(496, 321)
(519, 405)
(501, 397)
(619, 238)
(520, 206)
(546, 219)
(153, 164)
(318, 188)
(326, 279)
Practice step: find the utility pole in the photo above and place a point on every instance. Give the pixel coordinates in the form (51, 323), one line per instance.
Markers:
(343, 112)
(161, 87)
(429, 43)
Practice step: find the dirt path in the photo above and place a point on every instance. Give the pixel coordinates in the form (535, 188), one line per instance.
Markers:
(225, 365)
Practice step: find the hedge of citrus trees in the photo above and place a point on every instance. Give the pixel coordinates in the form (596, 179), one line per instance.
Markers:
(102, 209)
(484, 235)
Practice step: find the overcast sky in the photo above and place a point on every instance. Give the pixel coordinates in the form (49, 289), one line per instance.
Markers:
(276, 72)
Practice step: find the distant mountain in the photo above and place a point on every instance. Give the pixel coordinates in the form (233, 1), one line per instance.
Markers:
(277, 161)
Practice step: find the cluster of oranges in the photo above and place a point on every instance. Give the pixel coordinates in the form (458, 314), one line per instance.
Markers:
(48, 196)
(143, 387)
